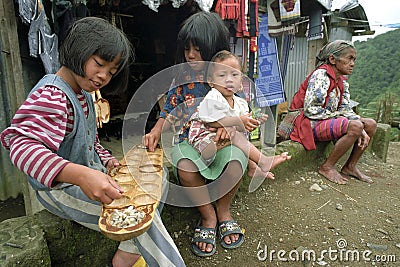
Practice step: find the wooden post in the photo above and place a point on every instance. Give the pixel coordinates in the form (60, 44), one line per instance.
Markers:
(10, 54)
(313, 48)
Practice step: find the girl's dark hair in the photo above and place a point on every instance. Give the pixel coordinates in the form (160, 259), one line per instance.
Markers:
(205, 30)
(96, 36)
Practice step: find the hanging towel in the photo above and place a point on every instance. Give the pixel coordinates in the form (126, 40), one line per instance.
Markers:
(275, 27)
(290, 11)
(269, 86)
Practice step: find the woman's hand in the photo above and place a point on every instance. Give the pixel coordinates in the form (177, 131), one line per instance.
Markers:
(262, 118)
(151, 139)
(363, 140)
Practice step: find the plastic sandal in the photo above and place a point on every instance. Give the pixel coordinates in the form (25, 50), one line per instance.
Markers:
(204, 235)
(227, 228)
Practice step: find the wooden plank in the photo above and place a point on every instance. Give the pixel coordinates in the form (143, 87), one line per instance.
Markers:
(11, 54)
(14, 84)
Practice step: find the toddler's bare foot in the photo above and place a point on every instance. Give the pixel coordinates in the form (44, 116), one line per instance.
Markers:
(280, 159)
(272, 162)
(255, 172)
(258, 173)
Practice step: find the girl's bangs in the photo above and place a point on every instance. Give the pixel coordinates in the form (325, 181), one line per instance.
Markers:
(109, 53)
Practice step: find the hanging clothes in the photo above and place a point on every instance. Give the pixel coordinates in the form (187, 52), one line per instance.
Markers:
(27, 10)
(315, 28)
(205, 5)
(49, 54)
(248, 19)
(269, 86)
(228, 9)
(42, 42)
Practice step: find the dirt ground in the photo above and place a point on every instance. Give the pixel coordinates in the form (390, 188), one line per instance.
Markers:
(357, 224)
(287, 224)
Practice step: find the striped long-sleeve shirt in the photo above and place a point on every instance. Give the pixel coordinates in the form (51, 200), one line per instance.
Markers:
(37, 130)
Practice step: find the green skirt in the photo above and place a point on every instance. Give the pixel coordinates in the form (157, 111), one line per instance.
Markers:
(184, 150)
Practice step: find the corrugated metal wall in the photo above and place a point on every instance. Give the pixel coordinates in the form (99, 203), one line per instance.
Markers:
(297, 67)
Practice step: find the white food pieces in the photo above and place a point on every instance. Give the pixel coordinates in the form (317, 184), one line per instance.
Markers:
(127, 217)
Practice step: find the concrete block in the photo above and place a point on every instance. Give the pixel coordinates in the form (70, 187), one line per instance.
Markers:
(300, 157)
(47, 240)
(380, 141)
(71, 244)
(23, 243)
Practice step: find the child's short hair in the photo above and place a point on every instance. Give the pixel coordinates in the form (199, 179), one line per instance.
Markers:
(221, 56)
(205, 30)
(224, 54)
(96, 36)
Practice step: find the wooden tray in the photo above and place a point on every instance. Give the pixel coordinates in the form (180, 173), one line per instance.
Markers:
(140, 174)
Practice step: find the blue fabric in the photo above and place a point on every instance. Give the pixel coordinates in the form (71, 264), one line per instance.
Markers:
(269, 86)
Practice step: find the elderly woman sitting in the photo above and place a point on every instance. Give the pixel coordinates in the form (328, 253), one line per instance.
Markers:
(327, 115)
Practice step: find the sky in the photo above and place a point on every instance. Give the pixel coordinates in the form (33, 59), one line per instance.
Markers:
(379, 13)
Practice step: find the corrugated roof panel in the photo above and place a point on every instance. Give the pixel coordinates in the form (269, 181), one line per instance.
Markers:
(358, 20)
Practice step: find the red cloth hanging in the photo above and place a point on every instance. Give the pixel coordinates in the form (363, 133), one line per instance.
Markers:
(228, 9)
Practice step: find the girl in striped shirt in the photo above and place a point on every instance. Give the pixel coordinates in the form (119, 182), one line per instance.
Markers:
(53, 137)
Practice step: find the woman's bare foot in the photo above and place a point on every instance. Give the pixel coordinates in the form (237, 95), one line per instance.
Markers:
(356, 174)
(332, 175)
(124, 259)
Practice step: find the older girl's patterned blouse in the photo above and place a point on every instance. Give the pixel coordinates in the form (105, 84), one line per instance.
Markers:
(182, 100)
(316, 94)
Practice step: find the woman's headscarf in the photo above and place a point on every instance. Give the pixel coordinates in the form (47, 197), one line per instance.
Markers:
(332, 48)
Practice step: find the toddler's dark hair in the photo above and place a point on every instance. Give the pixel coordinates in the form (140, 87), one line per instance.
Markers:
(221, 56)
